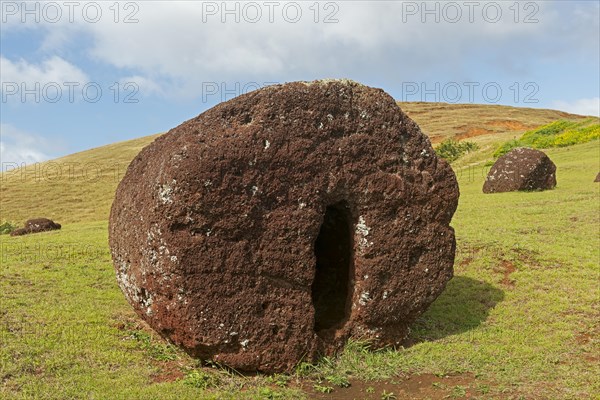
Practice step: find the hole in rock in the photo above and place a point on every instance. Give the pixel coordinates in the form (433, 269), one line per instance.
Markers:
(333, 253)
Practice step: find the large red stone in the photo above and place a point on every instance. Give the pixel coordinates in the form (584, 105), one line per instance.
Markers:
(521, 169)
(272, 227)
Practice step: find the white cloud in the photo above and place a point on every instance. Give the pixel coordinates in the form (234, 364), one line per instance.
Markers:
(17, 146)
(581, 106)
(369, 39)
(21, 77)
(53, 69)
(177, 47)
(137, 86)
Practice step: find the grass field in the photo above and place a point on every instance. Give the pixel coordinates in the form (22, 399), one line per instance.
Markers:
(520, 319)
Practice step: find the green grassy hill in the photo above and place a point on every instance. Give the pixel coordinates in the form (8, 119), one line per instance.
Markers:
(520, 319)
(75, 188)
(80, 187)
(441, 121)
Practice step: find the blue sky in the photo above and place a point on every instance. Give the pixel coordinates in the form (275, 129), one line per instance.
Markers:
(83, 74)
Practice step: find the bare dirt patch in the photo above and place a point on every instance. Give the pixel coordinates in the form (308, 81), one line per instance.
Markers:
(587, 338)
(128, 322)
(164, 370)
(583, 338)
(473, 132)
(528, 257)
(468, 254)
(167, 371)
(426, 386)
(509, 125)
(506, 268)
(466, 261)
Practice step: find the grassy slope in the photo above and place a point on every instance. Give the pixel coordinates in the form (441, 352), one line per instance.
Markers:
(522, 311)
(75, 188)
(80, 187)
(440, 121)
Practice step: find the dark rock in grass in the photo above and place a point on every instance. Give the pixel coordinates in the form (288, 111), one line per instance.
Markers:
(272, 227)
(597, 178)
(521, 169)
(36, 225)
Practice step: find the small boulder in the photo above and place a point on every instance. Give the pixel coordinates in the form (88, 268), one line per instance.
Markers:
(36, 225)
(521, 169)
(597, 178)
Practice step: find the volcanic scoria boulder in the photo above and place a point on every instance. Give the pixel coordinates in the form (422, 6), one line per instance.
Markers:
(36, 225)
(521, 169)
(274, 226)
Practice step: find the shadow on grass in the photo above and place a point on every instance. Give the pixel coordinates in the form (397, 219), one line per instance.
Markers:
(464, 305)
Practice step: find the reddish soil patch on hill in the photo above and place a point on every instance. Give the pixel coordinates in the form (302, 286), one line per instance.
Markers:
(505, 125)
(435, 139)
(473, 132)
(509, 125)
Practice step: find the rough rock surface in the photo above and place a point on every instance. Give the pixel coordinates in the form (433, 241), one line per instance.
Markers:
(36, 225)
(597, 178)
(521, 169)
(274, 226)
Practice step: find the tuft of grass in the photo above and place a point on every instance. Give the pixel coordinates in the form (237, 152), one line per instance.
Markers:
(156, 349)
(322, 388)
(281, 380)
(338, 380)
(459, 391)
(506, 147)
(7, 227)
(201, 379)
(388, 395)
(271, 394)
(451, 150)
